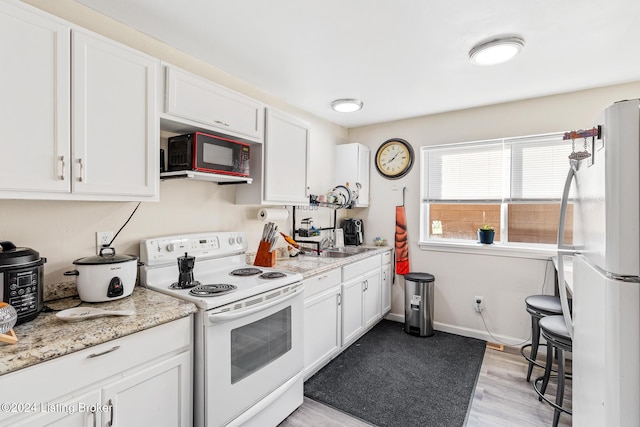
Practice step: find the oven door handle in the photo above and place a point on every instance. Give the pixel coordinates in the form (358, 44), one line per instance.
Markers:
(237, 314)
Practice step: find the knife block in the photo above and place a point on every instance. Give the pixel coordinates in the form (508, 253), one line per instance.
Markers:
(264, 258)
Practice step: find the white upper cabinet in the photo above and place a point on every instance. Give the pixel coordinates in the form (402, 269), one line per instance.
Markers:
(34, 102)
(286, 159)
(280, 169)
(352, 167)
(102, 144)
(115, 131)
(204, 102)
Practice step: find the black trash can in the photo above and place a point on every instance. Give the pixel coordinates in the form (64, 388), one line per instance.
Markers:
(418, 304)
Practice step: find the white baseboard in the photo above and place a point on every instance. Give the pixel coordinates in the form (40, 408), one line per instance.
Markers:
(466, 332)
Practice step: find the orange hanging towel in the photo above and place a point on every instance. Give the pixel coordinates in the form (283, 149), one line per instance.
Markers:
(402, 242)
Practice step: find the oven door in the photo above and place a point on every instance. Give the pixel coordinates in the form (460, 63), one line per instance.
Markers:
(250, 352)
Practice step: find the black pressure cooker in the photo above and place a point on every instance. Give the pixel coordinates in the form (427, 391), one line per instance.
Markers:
(21, 280)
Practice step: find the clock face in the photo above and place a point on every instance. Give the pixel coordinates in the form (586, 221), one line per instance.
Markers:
(394, 158)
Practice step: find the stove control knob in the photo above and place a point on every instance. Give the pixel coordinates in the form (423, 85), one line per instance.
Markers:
(171, 247)
(232, 240)
(239, 239)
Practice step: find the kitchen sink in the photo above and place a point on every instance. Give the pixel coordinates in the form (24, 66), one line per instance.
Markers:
(335, 254)
(344, 252)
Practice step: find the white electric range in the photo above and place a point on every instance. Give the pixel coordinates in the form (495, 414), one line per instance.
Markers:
(248, 342)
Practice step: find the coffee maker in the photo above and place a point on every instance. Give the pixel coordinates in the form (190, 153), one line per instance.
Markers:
(185, 276)
(353, 231)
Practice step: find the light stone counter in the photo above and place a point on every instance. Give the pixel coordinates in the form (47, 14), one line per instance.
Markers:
(46, 337)
(311, 265)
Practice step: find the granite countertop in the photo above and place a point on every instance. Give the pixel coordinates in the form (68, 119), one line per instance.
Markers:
(46, 337)
(311, 265)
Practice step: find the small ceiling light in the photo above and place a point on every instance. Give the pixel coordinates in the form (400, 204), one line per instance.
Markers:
(496, 51)
(347, 105)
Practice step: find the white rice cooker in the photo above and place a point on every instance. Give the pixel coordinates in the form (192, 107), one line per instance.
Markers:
(105, 277)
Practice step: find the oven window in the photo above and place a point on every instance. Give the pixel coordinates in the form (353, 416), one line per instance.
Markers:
(213, 154)
(259, 343)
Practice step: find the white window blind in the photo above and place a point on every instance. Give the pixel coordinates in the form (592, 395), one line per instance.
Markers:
(463, 172)
(505, 170)
(539, 166)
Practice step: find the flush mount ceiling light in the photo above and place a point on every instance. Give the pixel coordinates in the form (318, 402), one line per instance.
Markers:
(346, 105)
(496, 51)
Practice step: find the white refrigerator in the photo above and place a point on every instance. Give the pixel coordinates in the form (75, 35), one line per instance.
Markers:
(605, 318)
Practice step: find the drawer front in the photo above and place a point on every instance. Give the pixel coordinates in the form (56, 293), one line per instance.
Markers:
(386, 257)
(321, 282)
(194, 98)
(49, 381)
(361, 267)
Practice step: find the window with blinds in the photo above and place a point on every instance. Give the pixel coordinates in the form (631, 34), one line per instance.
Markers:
(465, 186)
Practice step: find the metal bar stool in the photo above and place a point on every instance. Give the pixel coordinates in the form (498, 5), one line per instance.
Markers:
(554, 330)
(538, 306)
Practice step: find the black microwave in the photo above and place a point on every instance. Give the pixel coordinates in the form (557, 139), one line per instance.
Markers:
(208, 153)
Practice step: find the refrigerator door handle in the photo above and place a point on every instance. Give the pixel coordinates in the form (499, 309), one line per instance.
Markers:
(562, 251)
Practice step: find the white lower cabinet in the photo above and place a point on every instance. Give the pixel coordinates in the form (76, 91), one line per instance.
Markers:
(342, 305)
(352, 310)
(141, 379)
(360, 305)
(371, 298)
(387, 279)
(70, 413)
(322, 320)
(130, 402)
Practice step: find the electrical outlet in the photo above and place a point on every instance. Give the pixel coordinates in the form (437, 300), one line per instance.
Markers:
(478, 303)
(103, 238)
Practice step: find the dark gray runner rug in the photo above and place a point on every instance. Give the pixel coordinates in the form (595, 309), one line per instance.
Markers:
(390, 378)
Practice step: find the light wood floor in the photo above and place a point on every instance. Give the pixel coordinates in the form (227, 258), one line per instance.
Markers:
(502, 398)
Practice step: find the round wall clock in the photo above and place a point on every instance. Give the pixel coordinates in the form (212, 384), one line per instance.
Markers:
(394, 158)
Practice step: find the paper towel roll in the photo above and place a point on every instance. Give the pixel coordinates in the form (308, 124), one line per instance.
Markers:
(266, 214)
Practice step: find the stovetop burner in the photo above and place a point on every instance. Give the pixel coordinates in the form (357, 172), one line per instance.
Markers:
(212, 290)
(248, 271)
(272, 275)
(186, 285)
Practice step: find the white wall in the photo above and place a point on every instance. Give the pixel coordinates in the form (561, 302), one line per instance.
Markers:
(503, 281)
(63, 231)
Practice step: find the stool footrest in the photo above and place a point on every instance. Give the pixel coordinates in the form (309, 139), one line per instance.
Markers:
(543, 397)
(530, 360)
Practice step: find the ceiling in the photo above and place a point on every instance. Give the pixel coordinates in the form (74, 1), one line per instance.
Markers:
(403, 58)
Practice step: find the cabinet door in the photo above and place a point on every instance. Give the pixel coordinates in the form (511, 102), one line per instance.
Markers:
(81, 411)
(352, 166)
(115, 128)
(159, 395)
(363, 175)
(194, 98)
(371, 296)
(352, 310)
(386, 289)
(285, 160)
(321, 329)
(34, 102)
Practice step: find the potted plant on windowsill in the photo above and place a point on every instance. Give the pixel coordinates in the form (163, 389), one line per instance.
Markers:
(486, 233)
